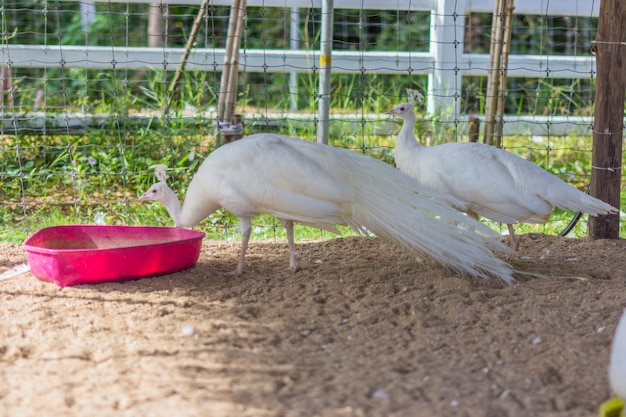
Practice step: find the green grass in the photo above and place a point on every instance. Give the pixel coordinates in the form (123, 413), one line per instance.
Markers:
(224, 226)
(106, 168)
(112, 183)
(219, 226)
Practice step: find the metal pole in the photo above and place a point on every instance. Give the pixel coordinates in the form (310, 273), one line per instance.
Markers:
(294, 44)
(87, 13)
(325, 66)
(444, 81)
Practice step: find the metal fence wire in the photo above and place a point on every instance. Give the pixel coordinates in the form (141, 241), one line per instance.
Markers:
(86, 115)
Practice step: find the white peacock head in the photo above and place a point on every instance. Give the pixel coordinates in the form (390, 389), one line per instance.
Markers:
(157, 192)
(402, 109)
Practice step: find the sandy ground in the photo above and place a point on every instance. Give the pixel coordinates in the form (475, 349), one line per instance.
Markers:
(362, 331)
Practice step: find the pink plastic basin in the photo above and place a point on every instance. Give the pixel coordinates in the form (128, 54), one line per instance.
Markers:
(87, 254)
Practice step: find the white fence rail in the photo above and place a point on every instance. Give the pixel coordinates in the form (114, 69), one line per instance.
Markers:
(445, 63)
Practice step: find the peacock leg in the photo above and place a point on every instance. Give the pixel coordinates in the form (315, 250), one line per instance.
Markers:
(294, 266)
(246, 228)
(514, 242)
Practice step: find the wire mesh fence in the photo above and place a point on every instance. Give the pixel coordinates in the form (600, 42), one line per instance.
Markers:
(86, 113)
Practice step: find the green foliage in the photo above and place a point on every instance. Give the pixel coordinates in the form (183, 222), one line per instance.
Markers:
(94, 176)
(539, 96)
(534, 34)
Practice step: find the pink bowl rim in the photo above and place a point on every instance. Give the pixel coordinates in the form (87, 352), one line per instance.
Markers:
(194, 235)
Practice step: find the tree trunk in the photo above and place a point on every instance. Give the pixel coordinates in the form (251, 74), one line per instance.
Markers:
(608, 115)
(156, 32)
(156, 39)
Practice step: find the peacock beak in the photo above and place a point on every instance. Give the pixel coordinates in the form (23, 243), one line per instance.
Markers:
(144, 197)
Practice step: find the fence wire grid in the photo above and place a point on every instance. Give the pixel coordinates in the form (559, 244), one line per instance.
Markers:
(86, 113)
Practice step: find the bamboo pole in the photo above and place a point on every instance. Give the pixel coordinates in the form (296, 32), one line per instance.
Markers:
(231, 90)
(504, 63)
(495, 52)
(230, 36)
(608, 122)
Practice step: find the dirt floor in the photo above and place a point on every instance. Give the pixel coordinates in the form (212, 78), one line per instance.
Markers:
(362, 331)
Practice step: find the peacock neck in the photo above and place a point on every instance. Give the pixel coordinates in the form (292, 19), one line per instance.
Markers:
(173, 208)
(175, 213)
(406, 137)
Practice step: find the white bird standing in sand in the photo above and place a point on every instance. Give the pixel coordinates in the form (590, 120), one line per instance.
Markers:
(319, 185)
(492, 182)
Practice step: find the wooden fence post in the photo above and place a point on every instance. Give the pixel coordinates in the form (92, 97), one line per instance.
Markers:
(608, 122)
(474, 128)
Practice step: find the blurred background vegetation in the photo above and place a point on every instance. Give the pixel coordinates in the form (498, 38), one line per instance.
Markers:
(125, 25)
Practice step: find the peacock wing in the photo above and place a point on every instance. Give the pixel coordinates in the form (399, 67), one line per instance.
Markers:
(494, 183)
(267, 173)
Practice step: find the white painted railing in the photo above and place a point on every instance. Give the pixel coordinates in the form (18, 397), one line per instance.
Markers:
(444, 63)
